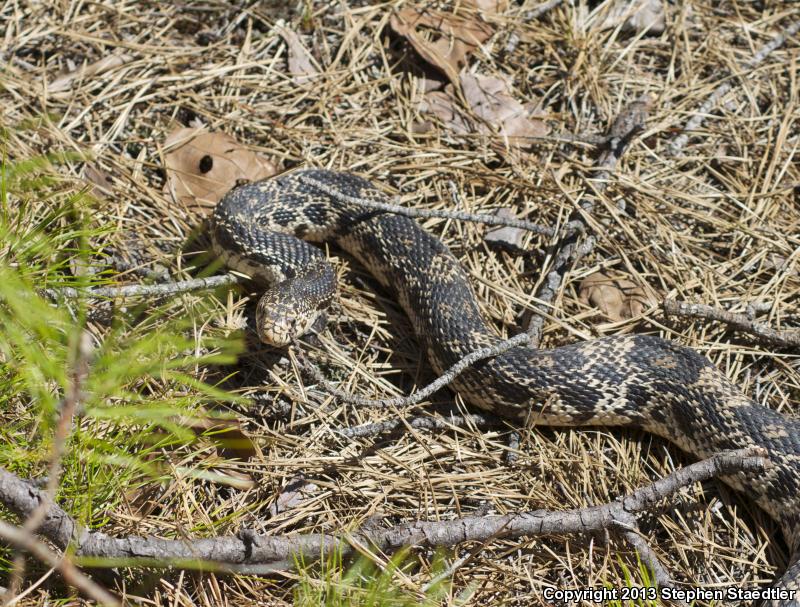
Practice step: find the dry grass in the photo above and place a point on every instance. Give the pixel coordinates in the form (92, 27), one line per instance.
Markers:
(720, 226)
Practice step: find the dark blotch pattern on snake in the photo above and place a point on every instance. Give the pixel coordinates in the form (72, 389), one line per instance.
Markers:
(638, 380)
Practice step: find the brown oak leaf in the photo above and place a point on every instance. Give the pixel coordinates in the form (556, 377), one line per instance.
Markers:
(202, 166)
(617, 298)
(301, 64)
(443, 39)
(491, 101)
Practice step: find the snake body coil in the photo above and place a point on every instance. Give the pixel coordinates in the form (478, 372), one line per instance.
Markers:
(639, 380)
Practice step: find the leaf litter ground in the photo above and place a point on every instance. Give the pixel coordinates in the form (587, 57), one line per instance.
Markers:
(719, 225)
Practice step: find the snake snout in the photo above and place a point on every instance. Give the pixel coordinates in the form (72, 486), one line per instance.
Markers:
(281, 318)
(291, 308)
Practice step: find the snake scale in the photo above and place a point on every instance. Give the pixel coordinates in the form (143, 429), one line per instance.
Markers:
(261, 228)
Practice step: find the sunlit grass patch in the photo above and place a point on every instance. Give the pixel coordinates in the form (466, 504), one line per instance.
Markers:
(142, 367)
(333, 582)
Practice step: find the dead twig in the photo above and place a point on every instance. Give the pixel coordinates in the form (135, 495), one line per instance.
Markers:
(70, 404)
(541, 9)
(424, 213)
(513, 448)
(23, 539)
(159, 290)
(415, 397)
(696, 121)
(251, 552)
(625, 127)
(420, 423)
(629, 530)
(787, 338)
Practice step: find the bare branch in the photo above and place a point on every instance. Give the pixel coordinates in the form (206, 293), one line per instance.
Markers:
(158, 290)
(70, 404)
(586, 139)
(415, 397)
(570, 252)
(254, 553)
(513, 448)
(24, 540)
(541, 9)
(420, 423)
(788, 338)
(628, 123)
(696, 121)
(22, 498)
(410, 212)
(630, 532)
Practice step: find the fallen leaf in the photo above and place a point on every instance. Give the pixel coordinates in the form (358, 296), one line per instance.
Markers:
(443, 39)
(294, 493)
(488, 7)
(203, 166)
(617, 298)
(64, 83)
(144, 499)
(636, 16)
(632, 118)
(497, 111)
(227, 435)
(301, 64)
(777, 262)
(444, 106)
(427, 85)
(491, 102)
(628, 123)
(233, 478)
(100, 179)
(505, 235)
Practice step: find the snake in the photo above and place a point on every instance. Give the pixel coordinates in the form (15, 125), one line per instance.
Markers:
(269, 229)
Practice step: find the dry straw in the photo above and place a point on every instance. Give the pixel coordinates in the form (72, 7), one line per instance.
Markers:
(721, 229)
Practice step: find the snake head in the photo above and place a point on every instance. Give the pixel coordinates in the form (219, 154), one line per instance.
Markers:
(289, 309)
